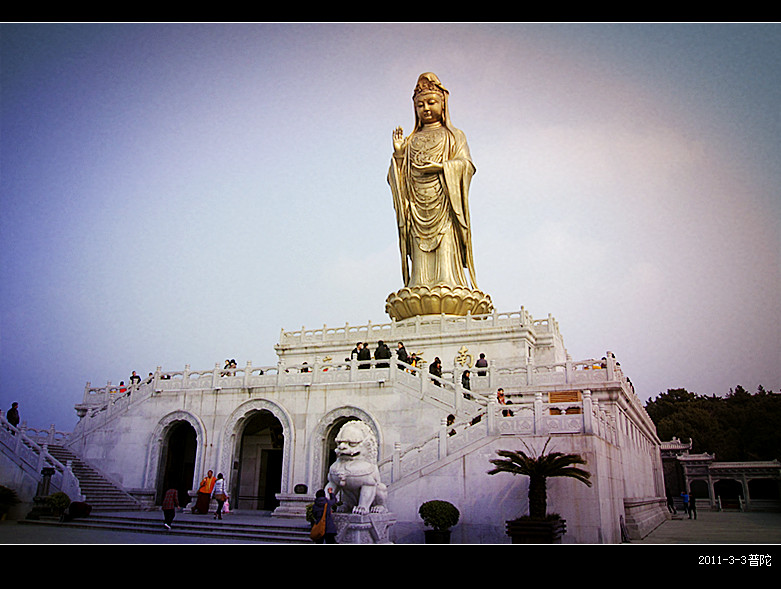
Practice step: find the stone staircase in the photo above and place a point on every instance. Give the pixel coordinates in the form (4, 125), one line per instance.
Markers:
(115, 511)
(107, 527)
(99, 492)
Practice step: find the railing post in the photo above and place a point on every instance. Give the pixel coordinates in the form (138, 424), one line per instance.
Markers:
(247, 372)
(443, 439)
(588, 415)
(491, 416)
(396, 462)
(610, 363)
(538, 416)
(216, 376)
(42, 457)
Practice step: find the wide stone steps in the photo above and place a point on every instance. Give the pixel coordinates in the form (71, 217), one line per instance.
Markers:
(249, 529)
(99, 492)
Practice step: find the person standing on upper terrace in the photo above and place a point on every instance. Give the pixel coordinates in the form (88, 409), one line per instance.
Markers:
(481, 363)
(12, 416)
(436, 370)
(364, 356)
(401, 353)
(382, 353)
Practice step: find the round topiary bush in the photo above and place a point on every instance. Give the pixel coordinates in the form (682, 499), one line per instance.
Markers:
(438, 514)
(58, 502)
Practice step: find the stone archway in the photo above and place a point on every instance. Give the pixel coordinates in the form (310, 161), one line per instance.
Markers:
(178, 437)
(729, 491)
(258, 476)
(256, 454)
(177, 461)
(322, 442)
(699, 489)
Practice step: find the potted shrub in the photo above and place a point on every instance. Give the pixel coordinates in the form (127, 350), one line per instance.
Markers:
(440, 516)
(8, 498)
(58, 503)
(539, 527)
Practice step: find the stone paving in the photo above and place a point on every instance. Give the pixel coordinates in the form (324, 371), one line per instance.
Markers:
(719, 527)
(710, 528)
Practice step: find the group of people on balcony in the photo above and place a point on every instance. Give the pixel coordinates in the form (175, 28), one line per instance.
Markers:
(135, 382)
(382, 354)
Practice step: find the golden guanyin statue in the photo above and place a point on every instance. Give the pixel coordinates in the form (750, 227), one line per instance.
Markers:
(430, 174)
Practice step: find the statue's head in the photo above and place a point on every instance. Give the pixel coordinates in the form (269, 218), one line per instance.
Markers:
(429, 88)
(356, 441)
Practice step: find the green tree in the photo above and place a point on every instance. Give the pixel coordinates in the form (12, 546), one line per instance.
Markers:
(539, 469)
(736, 426)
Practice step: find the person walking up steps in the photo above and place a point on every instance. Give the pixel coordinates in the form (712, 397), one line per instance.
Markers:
(219, 495)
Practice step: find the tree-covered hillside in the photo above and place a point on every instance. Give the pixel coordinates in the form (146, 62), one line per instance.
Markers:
(738, 426)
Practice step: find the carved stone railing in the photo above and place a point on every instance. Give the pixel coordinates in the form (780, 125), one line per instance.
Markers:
(538, 418)
(498, 374)
(34, 458)
(102, 403)
(417, 326)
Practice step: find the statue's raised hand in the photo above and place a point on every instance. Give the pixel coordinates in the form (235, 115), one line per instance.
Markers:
(398, 140)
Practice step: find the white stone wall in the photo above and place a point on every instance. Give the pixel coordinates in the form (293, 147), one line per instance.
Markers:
(123, 435)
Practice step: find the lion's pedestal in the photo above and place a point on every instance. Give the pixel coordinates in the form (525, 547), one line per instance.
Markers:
(371, 528)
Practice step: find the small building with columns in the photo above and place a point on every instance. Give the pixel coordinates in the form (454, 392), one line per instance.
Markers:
(745, 485)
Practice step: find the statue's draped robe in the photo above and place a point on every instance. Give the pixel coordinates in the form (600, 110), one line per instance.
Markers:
(432, 209)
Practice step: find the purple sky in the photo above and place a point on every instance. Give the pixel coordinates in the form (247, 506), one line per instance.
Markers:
(177, 194)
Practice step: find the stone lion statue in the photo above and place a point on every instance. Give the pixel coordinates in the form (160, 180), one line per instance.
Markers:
(355, 473)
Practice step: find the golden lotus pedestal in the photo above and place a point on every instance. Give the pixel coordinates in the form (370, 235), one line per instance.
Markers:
(437, 300)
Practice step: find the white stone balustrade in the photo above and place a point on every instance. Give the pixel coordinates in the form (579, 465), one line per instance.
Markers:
(417, 326)
(520, 377)
(34, 457)
(533, 418)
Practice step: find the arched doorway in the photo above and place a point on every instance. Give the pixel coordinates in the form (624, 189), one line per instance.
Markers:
(729, 492)
(259, 465)
(177, 461)
(699, 489)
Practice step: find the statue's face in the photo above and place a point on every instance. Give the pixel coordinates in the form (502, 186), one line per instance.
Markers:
(429, 107)
(348, 442)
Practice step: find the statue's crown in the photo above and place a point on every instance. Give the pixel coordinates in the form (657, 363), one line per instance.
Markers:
(426, 84)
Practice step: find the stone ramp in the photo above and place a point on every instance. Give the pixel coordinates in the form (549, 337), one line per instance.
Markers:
(241, 527)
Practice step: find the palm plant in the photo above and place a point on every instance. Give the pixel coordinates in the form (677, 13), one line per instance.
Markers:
(539, 468)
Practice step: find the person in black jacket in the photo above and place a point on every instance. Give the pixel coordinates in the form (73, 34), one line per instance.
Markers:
(327, 504)
(13, 414)
(436, 370)
(401, 353)
(364, 356)
(382, 353)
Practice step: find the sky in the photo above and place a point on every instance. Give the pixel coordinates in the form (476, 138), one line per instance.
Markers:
(177, 194)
